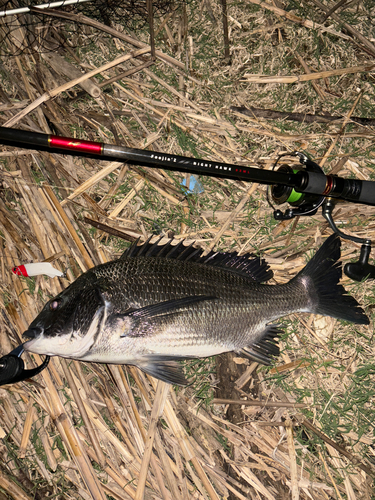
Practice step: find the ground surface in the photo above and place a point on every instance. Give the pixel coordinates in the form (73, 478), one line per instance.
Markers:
(79, 430)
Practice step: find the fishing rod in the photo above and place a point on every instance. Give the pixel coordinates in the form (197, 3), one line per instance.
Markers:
(310, 180)
(304, 187)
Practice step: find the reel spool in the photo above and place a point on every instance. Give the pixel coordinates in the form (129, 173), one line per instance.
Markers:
(303, 203)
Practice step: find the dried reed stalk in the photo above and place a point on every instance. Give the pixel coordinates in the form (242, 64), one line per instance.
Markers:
(363, 68)
(61, 66)
(62, 88)
(303, 22)
(157, 410)
(293, 462)
(88, 261)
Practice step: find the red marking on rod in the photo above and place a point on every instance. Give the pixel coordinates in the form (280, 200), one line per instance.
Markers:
(329, 185)
(75, 144)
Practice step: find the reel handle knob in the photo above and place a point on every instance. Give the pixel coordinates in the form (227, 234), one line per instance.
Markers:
(361, 270)
(10, 369)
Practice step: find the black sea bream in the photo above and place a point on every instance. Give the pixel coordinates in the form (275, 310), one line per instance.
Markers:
(156, 305)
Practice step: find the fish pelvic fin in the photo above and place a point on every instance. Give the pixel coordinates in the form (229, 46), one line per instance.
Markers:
(266, 349)
(164, 368)
(321, 278)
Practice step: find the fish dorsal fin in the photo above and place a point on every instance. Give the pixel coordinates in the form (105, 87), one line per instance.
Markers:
(246, 265)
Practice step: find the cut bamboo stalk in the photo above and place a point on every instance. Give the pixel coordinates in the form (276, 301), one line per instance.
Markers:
(317, 87)
(181, 473)
(130, 459)
(225, 483)
(41, 117)
(118, 423)
(115, 492)
(107, 198)
(330, 476)
(341, 131)
(171, 89)
(187, 449)
(122, 383)
(348, 27)
(196, 480)
(124, 482)
(119, 376)
(251, 478)
(164, 193)
(51, 459)
(36, 223)
(165, 461)
(233, 215)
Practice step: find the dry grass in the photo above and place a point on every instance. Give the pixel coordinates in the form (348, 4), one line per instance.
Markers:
(91, 431)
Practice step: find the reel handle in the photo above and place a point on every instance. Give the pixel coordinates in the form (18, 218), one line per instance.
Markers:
(12, 367)
(361, 269)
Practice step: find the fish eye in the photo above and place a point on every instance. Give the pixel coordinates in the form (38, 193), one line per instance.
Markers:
(55, 304)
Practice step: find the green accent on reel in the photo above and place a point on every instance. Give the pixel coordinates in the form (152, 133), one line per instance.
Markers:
(286, 194)
(294, 197)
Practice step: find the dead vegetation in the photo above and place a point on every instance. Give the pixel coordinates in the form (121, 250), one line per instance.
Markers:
(302, 429)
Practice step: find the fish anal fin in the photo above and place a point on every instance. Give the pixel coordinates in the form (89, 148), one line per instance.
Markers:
(165, 369)
(266, 349)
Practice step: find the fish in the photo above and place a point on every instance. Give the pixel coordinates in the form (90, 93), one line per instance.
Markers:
(159, 304)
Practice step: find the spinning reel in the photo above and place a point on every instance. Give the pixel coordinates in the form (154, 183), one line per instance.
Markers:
(307, 204)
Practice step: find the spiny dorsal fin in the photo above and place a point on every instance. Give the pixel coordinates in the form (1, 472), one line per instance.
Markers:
(246, 265)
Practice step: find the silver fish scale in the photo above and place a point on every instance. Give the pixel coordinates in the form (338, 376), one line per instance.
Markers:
(240, 311)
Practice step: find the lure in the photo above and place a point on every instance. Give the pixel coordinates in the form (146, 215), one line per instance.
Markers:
(37, 268)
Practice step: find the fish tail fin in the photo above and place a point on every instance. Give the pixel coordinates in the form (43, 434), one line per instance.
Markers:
(321, 278)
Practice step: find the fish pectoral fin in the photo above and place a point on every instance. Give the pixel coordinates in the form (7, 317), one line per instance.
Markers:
(266, 348)
(167, 307)
(164, 368)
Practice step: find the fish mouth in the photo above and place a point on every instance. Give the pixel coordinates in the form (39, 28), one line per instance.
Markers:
(33, 333)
